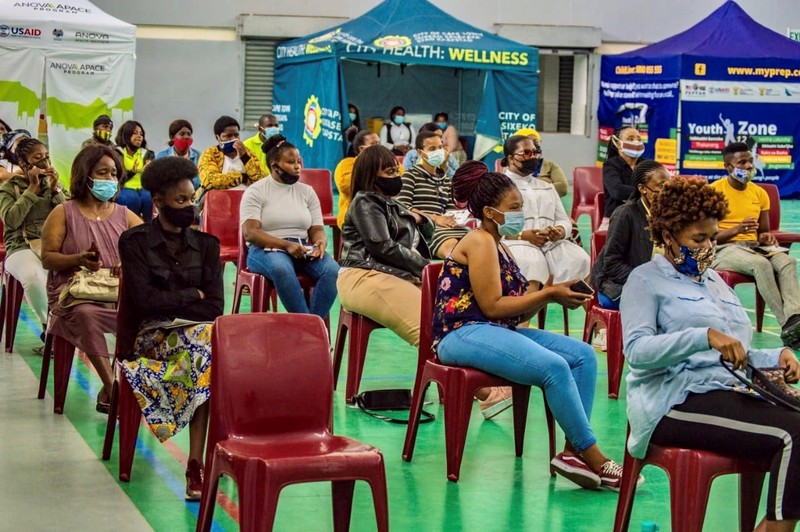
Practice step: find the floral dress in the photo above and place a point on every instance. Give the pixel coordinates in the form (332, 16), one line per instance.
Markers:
(456, 305)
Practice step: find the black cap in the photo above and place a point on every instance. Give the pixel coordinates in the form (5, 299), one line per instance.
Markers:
(102, 119)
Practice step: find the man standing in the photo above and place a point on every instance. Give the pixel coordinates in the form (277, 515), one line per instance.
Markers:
(267, 127)
(101, 132)
(744, 230)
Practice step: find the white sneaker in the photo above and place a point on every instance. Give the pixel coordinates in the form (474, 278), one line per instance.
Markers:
(599, 340)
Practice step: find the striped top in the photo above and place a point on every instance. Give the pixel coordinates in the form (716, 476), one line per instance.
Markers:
(425, 192)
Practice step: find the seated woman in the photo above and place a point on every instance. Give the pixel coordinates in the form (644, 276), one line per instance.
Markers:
(172, 272)
(628, 242)
(397, 134)
(483, 296)
(180, 145)
(678, 318)
(412, 157)
(450, 138)
(548, 171)
(9, 164)
(426, 189)
(384, 254)
(624, 151)
(83, 232)
(132, 146)
(25, 202)
(282, 223)
(541, 248)
(343, 175)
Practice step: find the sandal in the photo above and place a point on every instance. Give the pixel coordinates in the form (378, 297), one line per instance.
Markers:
(102, 407)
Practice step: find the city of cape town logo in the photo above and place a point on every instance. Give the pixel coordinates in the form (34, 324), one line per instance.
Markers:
(392, 41)
(312, 122)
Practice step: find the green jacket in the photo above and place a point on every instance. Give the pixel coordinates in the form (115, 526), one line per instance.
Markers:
(24, 208)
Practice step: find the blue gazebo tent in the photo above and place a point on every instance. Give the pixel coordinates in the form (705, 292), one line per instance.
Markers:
(372, 60)
(725, 79)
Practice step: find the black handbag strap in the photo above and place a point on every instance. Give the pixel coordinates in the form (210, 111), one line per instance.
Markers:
(763, 392)
(425, 417)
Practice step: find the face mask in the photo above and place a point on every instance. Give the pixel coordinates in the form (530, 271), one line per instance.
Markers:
(632, 149)
(286, 177)
(271, 131)
(435, 158)
(227, 147)
(530, 166)
(695, 261)
(182, 145)
(44, 164)
(442, 125)
(103, 190)
(399, 120)
(183, 217)
(102, 134)
(514, 223)
(353, 117)
(390, 186)
(741, 175)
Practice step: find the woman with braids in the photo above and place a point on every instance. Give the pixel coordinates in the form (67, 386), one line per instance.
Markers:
(25, 202)
(628, 242)
(282, 223)
(678, 317)
(483, 296)
(9, 165)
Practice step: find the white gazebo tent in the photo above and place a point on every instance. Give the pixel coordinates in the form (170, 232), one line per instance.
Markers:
(69, 61)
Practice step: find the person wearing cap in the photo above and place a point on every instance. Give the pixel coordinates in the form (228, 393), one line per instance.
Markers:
(9, 166)
(102, 128)
(267, 126)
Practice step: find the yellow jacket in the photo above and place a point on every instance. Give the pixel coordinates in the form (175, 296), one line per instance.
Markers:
(343, 176)
(210, 167)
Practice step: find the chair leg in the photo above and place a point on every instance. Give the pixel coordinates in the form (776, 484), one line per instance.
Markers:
(542, 317)
(588, 328)
(417, 401)
(551, 432)
(129, 417)
(630, 474)
(46, 354)
(208, 498)
(521, 396)
(63, 352)
(566, 321)
(380, 500)
(237, 299)
(457, 409)
(750, 485)
(616, 363)
(688, 493)
(338, 350)
(342, 491)
(760, 307)
(258, 502)
(111, 426)
(357, 352)
(15, 294)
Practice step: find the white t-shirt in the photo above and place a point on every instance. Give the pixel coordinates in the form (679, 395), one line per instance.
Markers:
(283, 210)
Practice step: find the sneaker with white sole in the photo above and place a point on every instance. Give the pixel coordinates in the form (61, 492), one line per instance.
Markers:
(599, 341)
(499, 399)
(575, 470)
(611, 476)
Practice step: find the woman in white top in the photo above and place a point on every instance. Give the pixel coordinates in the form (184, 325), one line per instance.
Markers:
(450, 137)
(396, 134)
(282, 223)
(542, 248)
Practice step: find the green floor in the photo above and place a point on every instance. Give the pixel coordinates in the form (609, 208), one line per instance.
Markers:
(496, 490)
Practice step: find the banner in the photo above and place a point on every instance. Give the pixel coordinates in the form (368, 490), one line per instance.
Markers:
(651, 106)
(308, 106)
(80, 87)
(21, 74)
(509, 104)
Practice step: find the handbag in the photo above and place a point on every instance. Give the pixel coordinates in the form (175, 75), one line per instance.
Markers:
(87, 286)
(770, 383)
(382, 400)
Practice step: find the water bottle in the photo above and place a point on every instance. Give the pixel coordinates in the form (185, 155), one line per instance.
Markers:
(649, 526)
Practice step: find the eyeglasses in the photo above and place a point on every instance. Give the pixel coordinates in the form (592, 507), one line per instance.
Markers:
(527, 154)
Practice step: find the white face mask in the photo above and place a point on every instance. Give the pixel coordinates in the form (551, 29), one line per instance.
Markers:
(631, 148)
(435, 158)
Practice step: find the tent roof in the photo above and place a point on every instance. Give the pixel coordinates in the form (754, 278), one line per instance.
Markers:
(410, 31)
(73, 25)
(727, 32)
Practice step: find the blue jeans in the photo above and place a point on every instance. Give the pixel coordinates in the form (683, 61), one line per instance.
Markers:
(282, 270)
(606, 302)
(138, 201)
(563, 367)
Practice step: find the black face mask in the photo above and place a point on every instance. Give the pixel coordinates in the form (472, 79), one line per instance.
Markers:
(390, 186)
(286, 177)
(530, 166)
(183, 217)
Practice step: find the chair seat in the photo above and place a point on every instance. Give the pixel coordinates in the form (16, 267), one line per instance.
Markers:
(785, 237)
(329, 219)
(228, 253)
(324, 450)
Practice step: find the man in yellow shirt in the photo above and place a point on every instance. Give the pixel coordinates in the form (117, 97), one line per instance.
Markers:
(267, 126)
(744, 230)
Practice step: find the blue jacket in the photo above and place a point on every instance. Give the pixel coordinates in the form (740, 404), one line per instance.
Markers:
(194, 156)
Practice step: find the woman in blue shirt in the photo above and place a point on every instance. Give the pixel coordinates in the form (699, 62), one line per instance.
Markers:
(180, 145)
(678, 317)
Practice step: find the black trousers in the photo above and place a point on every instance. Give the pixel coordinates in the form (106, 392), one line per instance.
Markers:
(738, 425)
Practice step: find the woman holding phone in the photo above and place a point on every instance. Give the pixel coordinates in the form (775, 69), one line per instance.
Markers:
(83, 233)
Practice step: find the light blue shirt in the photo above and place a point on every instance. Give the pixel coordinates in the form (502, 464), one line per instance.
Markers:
(194, 156)
(412, 158)
(665, 321)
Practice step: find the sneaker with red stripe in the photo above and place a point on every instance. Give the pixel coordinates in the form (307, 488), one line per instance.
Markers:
(611, 476)
(573, 468)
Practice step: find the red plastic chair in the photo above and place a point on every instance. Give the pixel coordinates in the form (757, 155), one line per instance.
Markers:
(221, 219)
(732, 279)
(691, 473)
(360, 327)
(62, 353)
(457, 389)
(612, 319)
(587, 181)
(271, 418)
(320, 180)
(785, 238)
(598, 210)
(498, 166)
(11, 304)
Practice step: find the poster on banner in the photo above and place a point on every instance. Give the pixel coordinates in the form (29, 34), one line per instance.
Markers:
(648, 105)
(21, 75)
(80, 87)
(509, 104)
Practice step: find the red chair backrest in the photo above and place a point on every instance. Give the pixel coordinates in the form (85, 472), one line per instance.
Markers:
(597, 241)
(400, 158)
(241, 262)
(498, 166)
(598, 210)
(587, 181)
(127, 323)
(221, 215)
(430, 280)
(320, 180)
(259, 387)
(774, 205)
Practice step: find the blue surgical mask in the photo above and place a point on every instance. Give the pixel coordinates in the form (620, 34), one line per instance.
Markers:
(514, 223)
(271, 131)
(399, 120)
(741, 175)
(353, 117)
(103, 190)
(442, 125)
(435, 158)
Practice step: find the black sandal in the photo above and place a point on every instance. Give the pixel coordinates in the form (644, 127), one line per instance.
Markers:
(103, 408)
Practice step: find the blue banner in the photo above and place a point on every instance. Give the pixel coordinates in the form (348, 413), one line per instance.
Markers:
(509, 104)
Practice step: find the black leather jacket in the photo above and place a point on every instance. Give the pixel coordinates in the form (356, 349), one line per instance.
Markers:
(379, 234)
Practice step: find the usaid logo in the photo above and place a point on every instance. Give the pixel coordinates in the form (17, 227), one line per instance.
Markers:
(30, 33)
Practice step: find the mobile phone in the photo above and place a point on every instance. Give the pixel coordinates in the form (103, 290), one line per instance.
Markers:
(310, 251)
(582, 287)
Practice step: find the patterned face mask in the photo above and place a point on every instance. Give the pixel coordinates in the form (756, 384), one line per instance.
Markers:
(695, 261)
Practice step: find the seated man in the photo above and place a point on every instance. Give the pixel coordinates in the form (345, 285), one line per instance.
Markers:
(743, 230)
(230, 164)
(102, 128)
(267, 126)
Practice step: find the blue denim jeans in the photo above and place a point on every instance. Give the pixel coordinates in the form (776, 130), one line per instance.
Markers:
(565, 368)
(138, 201)
(282, 270)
